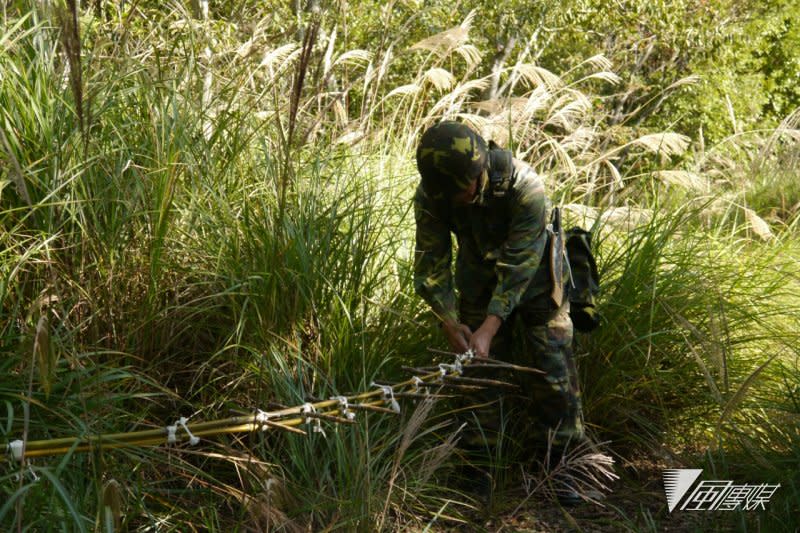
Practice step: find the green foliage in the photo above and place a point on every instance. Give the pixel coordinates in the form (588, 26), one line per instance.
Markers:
(216, 235)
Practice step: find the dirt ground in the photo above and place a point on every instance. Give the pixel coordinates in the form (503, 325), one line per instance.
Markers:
(636, 503)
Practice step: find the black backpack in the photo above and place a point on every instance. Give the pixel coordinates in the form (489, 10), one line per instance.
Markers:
(585, 280)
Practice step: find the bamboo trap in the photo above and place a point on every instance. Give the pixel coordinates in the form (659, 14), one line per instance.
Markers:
(338, 410)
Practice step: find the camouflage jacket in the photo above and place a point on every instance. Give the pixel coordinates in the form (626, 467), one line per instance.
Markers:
(501, 242)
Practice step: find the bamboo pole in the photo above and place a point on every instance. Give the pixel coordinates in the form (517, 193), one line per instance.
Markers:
(285, 418)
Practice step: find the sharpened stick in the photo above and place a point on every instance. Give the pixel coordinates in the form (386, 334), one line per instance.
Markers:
(374, 408)
(480, 381)
(330, 418)
(453, 386)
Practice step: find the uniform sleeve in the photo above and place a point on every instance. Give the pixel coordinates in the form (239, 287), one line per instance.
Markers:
(433, 279)
(522, 252)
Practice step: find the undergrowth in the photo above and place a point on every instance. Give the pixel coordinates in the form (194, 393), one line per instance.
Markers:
(199, 225)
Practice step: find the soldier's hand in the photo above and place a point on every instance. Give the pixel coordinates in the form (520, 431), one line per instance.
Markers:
(482, 339)
(458, 336)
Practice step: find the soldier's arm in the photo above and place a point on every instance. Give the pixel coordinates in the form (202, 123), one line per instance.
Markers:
(523, 250)
(433, 278)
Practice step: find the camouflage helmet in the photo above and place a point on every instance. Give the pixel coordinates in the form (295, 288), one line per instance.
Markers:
(450, 156)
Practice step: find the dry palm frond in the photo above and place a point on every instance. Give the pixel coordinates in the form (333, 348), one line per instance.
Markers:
(476, 122)
(688, 80)
(556, 151)
(599, 62)
(435, 457)
(568, 110)
(440, 78)
(667, 143)
(585, 215)
(758, 224)
(464, 89)
(626, 217)
(605, 75)
(340, 112)
(350, 137)
(579, 140)
(443, 43)
(385, 62)
(492, 107)
(353, 57)
(404, 90)
(538, 100)
(687, 180)
(327, 58)
(618, 183)
(413, 426)
(266, 509)
(788, 127)
(582, 468)
(453, 101)
(281, 55)
(539, 76)
(452, 40)
(471, 55)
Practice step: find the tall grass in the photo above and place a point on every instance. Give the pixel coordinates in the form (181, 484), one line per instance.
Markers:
(210, 234)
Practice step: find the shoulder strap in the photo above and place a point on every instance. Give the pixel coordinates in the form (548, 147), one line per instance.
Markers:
(501, 171)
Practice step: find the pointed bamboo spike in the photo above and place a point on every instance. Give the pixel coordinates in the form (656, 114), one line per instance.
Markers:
(420, 370)
(330, 418)
(375, 408)
(480, 381)
(422, 396)
(290, 429)
(497, 363)
(385, 383)
(442, 352)
(492, 360)
(453, 386)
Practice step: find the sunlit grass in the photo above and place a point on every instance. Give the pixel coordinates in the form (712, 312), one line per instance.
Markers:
(197, 249)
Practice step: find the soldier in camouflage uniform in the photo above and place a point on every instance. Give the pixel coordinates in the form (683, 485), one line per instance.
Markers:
(497, 209)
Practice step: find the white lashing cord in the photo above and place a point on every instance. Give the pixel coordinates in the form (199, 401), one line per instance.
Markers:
(263, 417)
(388, 394)
(417, 382)
(309, 408)
(346, 412)
(457, 368)
(445, 369)
(465, 357)
(15, 447)
(172, 432)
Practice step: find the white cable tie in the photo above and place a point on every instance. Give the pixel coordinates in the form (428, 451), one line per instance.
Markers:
(388, 394)
(171, 437)
(308, 408)
(444, 369)
(346, 412)
(466, 357)
(29, 470)
(192, 439)
(15, 447)
(318, 429)
(263, 417)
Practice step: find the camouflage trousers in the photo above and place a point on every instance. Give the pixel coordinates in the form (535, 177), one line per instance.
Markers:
(534, 336)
